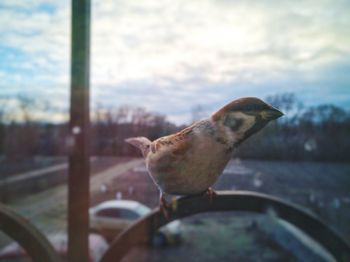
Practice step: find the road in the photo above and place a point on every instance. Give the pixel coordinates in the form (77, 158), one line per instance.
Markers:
(48, 209)
(23, 177)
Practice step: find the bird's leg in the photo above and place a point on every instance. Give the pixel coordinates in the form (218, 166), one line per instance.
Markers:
(174, 203)
(163, 205)
(210, 193)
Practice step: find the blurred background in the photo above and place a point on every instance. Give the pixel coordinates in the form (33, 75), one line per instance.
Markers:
(158, 66)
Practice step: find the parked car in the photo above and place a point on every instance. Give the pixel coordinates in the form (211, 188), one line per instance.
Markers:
(111, 217)
(15, 253)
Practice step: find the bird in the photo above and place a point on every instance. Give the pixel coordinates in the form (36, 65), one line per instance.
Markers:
(190, 161)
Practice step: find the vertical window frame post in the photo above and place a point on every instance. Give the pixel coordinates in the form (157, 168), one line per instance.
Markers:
(79, 164)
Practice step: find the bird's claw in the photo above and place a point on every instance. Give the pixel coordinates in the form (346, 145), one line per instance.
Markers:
(174, 203)
(210, 193)
(164, 206)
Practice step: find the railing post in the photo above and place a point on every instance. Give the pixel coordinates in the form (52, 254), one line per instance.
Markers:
(79, 166)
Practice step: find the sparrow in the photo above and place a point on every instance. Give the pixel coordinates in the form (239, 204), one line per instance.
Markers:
(191, 160)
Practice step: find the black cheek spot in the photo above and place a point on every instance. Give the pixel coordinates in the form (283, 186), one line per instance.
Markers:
(238, 124)
(233, 123)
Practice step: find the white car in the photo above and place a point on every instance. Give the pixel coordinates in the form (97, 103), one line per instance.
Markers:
(111, 217)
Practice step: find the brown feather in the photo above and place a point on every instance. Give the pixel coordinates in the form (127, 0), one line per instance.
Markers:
(237, 105)
(178, 142)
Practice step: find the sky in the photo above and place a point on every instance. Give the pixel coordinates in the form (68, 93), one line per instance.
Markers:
(171, 56)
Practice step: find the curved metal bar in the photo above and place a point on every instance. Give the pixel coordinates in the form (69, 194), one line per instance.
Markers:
(142, 231)
(22, 231)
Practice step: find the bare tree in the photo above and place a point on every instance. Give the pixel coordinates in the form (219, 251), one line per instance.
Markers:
(197, 113)
(22, 134)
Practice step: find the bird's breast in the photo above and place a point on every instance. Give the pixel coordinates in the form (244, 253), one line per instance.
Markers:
(191, 172)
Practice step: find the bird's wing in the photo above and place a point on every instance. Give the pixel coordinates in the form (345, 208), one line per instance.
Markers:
(176, 144)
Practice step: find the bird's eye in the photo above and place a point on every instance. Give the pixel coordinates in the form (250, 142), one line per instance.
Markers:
(147, 146)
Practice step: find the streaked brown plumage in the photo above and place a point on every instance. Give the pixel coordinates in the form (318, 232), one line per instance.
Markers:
(190, 161)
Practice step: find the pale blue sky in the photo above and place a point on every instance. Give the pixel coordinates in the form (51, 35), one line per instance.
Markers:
(170, 56)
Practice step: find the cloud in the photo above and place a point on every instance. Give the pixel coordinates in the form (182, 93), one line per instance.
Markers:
(35, 43)
(171, 38)
(168, 56)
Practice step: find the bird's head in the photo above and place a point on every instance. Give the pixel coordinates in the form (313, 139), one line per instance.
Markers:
(141, 143)
(245, 116)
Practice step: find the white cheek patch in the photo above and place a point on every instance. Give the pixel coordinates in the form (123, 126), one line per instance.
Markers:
(231, 136)
(248, 121)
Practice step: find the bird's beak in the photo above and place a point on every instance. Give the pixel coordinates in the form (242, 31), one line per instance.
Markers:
(271, 114)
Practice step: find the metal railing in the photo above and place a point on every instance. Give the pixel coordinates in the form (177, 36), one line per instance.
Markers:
(31, 239)
(143, 230)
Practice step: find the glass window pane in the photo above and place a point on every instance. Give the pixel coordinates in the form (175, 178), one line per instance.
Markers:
(159, 67)
(111, 213)
(128, 214)
(34, 105)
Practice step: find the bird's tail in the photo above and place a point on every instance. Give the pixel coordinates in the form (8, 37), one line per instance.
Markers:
(140, 142)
